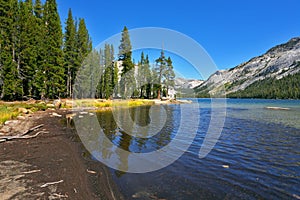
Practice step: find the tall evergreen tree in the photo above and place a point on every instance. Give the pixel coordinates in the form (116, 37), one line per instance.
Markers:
(144, 76)
(89, 76)
(100, 90)
(70, 53)
(148, 77)
(155, 86)
(84, 43)
(10, 72)
(40, 48)
(4, 42)
(108, 74)
(114, 74)
(116, 80)
(31, 57)
(169, 75)
(27, 55)
(38, 9)
(160, 69)
(83, 46)
(125, 55)
(53, 59)
(139, 78)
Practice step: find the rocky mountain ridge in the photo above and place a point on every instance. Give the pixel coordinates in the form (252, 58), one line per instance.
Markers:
(181, 83)
(278, 62)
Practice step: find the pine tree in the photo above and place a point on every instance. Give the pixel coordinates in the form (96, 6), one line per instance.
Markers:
(27, 55)
(102, 80)
(144, 76)
(155, 86)
(108, 74)
(125, 55)
(83, 46)
(84, 43)
(148, 77)
(31, 57)
(10, 72)
(89, 76)
(169, 75)
(114, 74)
(53, 59)
(5, 57)
(160, 69)
(70, 53)
(116, 80)
(139, 78)
(38, 9)
(40, 48)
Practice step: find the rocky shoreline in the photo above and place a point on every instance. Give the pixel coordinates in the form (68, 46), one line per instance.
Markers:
(51, 165)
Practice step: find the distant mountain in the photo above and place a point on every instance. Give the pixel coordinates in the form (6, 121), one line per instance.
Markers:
(185, 87)
(181, 83)
(279, 62)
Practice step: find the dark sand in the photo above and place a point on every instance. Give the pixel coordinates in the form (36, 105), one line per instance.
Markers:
(54, 156)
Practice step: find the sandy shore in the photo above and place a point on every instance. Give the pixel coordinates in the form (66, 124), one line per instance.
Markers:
(52, 165)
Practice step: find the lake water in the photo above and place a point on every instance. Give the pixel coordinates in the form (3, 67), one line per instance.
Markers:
(257, 155)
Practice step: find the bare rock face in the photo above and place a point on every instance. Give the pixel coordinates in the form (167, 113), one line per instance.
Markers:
(278, 62)
(181, 83)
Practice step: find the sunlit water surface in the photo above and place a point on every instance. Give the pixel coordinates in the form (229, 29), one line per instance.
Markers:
(256, 157)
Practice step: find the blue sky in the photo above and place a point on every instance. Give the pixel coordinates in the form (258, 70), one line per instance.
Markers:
(231, 31)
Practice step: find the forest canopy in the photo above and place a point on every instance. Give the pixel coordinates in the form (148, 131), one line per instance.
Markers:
(40, 60)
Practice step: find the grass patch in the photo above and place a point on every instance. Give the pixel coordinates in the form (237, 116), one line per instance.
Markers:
(7, 113)
(111, 103)
(10, 110)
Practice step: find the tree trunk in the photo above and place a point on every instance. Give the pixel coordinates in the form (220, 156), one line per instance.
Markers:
(158, 94)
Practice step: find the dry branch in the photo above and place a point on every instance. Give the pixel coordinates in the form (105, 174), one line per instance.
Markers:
(59, 196)
(51, 183)
(32, 129)
(32, 136)
(91, 171)
(8, 138)
(31, 172)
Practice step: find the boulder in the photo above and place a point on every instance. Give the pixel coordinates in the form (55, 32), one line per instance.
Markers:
(11, 122)
(21, 117)
(23, 110)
